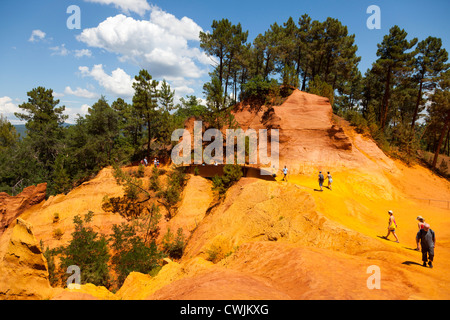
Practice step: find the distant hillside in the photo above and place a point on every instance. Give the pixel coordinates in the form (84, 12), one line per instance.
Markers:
(22, 130)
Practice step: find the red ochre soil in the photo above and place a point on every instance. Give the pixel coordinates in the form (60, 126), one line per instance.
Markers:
(272, 240)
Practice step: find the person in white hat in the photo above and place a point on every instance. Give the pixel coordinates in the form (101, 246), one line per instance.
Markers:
(392, 226)
(427, 239)
(421, 222)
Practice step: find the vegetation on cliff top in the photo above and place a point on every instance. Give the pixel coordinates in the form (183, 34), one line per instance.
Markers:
(402, 100)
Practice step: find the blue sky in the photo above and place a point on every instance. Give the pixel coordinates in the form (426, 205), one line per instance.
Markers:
(119, 37)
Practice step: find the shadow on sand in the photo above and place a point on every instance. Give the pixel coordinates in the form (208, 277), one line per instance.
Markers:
(408, 263)
(413, 249)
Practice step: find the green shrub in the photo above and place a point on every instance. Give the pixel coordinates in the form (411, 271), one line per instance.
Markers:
(443, 167)
(132, 254)
(49, 255)
(89, 251)
(57, 234)
(155, 185)
(174, 246)
(141, 171)
(231, 174)
(321, 88)
(259, 89)
(171, 194)
(357, 120)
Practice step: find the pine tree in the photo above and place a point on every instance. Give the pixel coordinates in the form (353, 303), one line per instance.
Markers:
(440, 111)
(431, 60)
(44, 124)
(8, 134)
(145, 100)
(393, 57)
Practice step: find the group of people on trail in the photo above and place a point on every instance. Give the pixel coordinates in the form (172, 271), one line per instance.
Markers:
(285, 172)
(321, 177)
(144, 162)
(322, 180)
(425, 236)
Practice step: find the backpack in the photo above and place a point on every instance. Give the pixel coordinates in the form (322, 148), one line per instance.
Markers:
(321, 178)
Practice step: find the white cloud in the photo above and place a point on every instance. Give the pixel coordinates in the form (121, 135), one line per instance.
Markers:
(183, 91)
(127, 6)
(82, 53)
(84, 109)
(60, 50)
(57, 94)
(159, 45)
(7, 109)
(37, 35)
(185, 27)
(79, 92)
(118, 83)
(63, 51)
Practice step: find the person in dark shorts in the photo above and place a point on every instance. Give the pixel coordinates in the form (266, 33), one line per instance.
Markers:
(285, 172)
(427, 240)
(321, 180)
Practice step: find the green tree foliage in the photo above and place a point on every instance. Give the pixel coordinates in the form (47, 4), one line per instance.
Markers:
(132, 204)
(9, 140)
(321, 88)
(231, 174)
(45, 133)
(131, 253)
(130, 126)
(439, 114)
(307, 50)
(103, 129)
(44, 122)
(170, 194)
(145, 100)
(8, 134)
(89, 251)
(394, 56)
(430, 61)
(191, 106)
(173, 245)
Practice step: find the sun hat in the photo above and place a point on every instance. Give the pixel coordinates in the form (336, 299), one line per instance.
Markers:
(420, 218)
(390, 211)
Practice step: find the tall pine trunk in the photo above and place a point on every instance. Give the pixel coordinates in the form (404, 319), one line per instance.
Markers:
(441, 139)
(385, 103)
(416, 109)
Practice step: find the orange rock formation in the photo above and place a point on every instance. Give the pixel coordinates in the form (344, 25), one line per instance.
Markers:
(283, 240)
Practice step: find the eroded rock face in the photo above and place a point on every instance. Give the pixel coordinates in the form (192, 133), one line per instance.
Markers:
(12, 207)
(24, 271)
(308, 135)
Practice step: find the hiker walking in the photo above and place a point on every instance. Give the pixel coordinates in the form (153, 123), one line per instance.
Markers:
(285, 172)
(392, 226)
(321, 180)
(421, 222)
(427, 240)
(330, 180)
